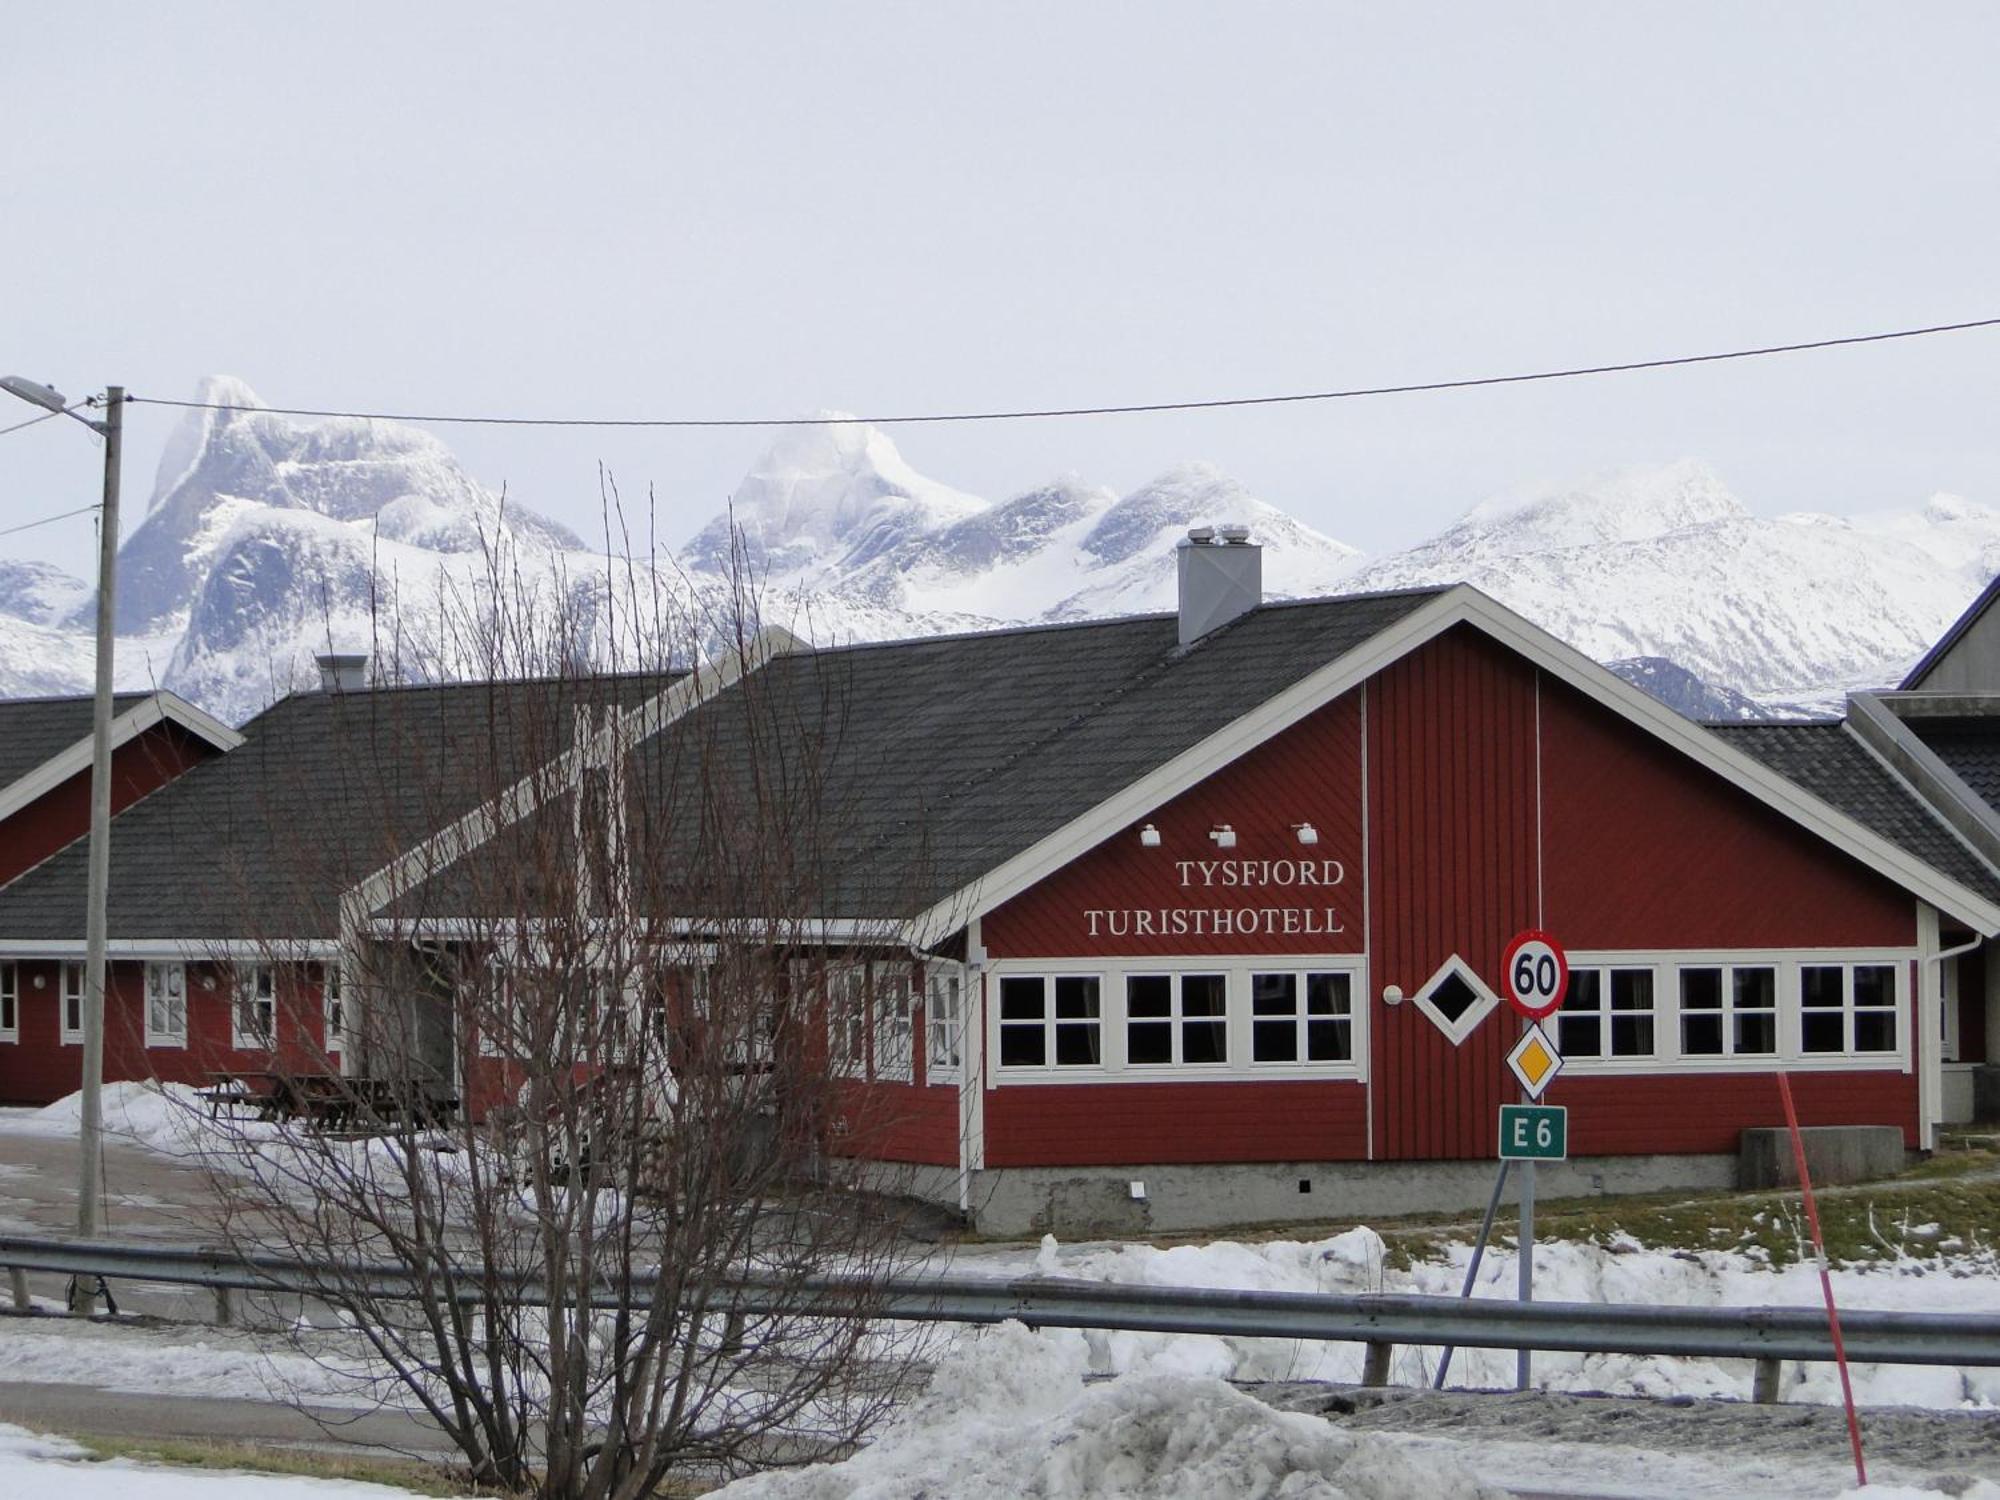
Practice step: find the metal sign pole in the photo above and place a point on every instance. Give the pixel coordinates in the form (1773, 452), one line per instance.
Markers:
(1524, 1359)
(1472, 1266)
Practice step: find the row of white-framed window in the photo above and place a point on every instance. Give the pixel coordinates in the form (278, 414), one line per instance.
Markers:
(1255, 1020)
(1700, 1010)
(253, 1011)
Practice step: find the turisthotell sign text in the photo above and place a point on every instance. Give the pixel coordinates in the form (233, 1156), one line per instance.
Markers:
(1235, 900)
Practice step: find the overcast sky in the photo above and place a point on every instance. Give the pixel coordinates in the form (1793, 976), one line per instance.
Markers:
(734, 209)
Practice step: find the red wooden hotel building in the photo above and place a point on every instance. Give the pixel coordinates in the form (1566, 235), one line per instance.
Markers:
(1202, 918)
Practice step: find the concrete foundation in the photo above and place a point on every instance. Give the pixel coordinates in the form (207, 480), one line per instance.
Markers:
(1834, 1153)
(1986, 1092)
(1102, 1201)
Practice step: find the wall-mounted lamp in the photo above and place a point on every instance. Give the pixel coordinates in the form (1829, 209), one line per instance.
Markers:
(1392, 994)
(1224, 836)
(1149, 837)
(1306, 832)
(41, 981)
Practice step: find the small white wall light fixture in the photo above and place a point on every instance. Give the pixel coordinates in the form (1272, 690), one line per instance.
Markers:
(1392, 994)
(1149, 837)
(1224, 836)
(41, 981)
(1138, 1192)
(1308, 834)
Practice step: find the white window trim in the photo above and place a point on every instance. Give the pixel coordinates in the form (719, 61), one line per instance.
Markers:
(1485, 1003)
(891, 1001)
(1177, 1017)
(1109, 1019)
(10, 1001)
(1604, 1013)
(1111, 974)
(72, 1036)
(1303, 1020)
(241, 1039)
(1790, 1056)
(946, 978)
(333, 1015)
(162, 1037)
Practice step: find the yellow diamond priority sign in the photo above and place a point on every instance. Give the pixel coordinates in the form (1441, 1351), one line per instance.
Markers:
(1535, 1061)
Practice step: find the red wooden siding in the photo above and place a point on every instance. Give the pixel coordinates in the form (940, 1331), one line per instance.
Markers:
(1451, 764)
(1705, 1114)
(1310, 775)
(1134, 1124)
(40, 1067)
(1647, 850)
(61, 815)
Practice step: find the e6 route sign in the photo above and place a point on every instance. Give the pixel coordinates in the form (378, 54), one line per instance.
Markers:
(1534, 974)
(1534, 1132)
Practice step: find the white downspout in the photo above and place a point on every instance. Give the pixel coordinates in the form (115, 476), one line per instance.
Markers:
(1930, 1022)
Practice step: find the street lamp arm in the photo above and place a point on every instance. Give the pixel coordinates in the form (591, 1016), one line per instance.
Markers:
(50, 399)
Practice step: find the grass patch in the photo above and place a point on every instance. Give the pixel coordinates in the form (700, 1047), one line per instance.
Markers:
(316, 1463)
(310, 1463)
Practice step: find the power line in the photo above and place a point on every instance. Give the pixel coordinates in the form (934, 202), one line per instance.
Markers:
(81, 510)
(44, 417)
(1351, 393)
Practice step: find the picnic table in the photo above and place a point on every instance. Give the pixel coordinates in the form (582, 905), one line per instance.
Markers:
(328, 1100)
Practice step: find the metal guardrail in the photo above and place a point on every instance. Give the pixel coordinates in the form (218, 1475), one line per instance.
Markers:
(1764, 1334)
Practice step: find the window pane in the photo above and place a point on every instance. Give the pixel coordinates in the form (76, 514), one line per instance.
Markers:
(1274, 1041)
(1076, 997)
(1755, 989)
(1076, 1043)
(1149, 1042)
(1701, 989)
(1756, 1032)
(1330, 994)
(1822, 1031)
(1022, 1046)
(1021, 999)
(1631, 989)
(1631, 1036)
(1701, 1035)
(1874, 984)
(1579, 1035)
(1149, 995)
(1274, 994)
(1875, 1031)
(1330, 1041)
(1585, 993)
(1205, 995)
(1822, 986)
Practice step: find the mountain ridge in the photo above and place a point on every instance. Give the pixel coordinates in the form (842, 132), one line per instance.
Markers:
(267, 538)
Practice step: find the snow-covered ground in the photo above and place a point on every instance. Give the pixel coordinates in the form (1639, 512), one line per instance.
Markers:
(32, 1466)
(1622, 1271)
(1062, 1413)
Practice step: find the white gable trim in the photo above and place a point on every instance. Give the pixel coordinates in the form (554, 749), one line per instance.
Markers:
(156, 708)
(1459, 605)
(556, 778)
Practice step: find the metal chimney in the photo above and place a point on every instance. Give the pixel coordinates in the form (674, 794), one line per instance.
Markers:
(341, 673)
(1221, 575)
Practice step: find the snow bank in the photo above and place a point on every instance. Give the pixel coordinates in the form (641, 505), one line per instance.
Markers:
(1008, 1415)
(1623, 1271)
(165, 1117)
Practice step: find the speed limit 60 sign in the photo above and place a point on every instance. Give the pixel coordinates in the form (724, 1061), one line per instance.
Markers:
(1535, 974)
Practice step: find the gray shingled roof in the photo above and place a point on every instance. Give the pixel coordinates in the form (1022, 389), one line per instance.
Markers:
(1971, 747)
(260, 842)
(1827, 761)
(34, 730)
(945, 756)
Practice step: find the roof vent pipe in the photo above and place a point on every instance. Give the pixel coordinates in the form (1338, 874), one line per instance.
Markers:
(1221, 577)
(341, 673)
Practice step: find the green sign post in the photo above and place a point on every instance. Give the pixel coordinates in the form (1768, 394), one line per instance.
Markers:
(1534, 1132)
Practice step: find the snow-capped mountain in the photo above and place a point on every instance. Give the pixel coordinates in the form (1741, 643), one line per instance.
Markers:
(1667, 563)
(268, 539)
